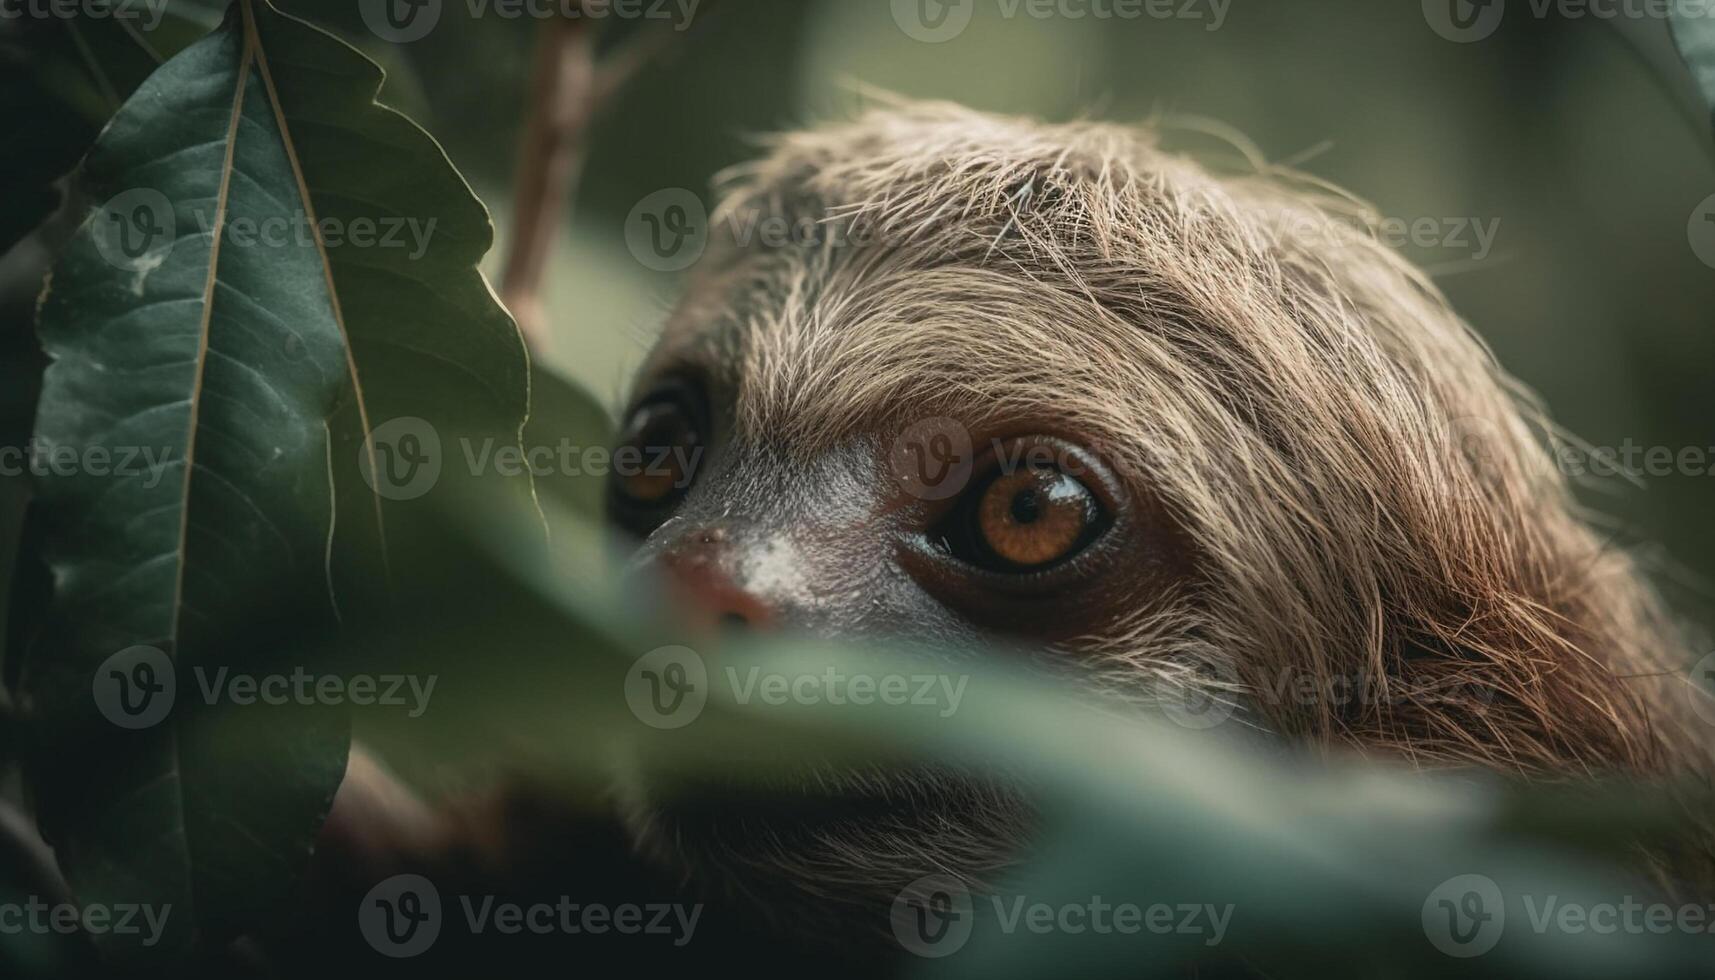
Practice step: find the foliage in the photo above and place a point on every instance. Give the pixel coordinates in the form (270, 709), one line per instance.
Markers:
(281, 530)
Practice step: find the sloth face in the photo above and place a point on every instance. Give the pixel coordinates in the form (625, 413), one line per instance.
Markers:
(1184, 430)
(1025, 537)
(941, 531)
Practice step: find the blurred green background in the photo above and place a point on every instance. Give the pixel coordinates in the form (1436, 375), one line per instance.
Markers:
(1567, 137)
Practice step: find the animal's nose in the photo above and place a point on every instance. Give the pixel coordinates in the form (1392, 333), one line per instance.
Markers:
(700, 568)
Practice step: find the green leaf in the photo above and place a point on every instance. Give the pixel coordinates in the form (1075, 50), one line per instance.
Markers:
(61, 79)
(238, 310)
(1308, 855)
(565, 419)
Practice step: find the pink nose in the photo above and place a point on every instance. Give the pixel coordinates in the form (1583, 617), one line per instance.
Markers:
(699, 571)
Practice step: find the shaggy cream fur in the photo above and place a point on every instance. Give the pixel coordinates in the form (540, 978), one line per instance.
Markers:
(1370, 500)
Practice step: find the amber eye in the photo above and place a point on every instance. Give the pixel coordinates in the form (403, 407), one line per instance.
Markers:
(1023, 519)
(655, 460)
(1035, 516)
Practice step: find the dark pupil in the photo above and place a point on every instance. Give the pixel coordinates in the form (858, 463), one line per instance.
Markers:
(1026, 507)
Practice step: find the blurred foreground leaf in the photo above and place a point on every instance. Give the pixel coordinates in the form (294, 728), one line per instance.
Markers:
(1316, 867)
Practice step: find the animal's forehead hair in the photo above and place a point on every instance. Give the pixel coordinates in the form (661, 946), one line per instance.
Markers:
(1010, 270)
(822, 354)
(964, 290)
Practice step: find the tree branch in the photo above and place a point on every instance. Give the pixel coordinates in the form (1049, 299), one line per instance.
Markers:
(568, 90)
(550, 157)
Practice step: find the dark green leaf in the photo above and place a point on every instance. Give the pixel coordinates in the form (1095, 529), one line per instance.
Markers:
(61, 79)
(240, 310)
(1314, 858)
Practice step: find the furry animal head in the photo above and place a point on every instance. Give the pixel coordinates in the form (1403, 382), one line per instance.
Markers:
(1371, 546)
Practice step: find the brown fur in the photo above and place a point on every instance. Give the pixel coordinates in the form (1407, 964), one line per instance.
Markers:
(1369, 498)
(1382, 556)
